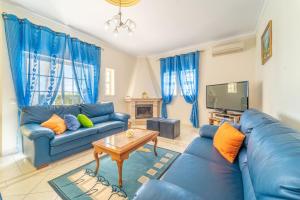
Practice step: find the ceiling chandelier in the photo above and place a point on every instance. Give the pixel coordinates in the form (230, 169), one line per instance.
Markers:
(117, 23)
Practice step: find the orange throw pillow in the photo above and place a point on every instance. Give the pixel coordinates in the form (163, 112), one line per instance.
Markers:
(56, 124)
(228, 141)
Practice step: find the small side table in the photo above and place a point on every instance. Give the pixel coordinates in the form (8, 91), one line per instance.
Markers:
(169, 128)
(153, 124)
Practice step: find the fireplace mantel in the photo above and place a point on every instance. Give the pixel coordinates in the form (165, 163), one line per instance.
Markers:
(134, 103)
(142, 99)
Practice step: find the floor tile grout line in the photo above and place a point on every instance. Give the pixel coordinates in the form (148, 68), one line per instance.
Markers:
(36, 185)
(13, 196)
(23, 177)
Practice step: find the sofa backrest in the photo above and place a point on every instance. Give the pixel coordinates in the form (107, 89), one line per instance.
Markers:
(272, 162)
(273, 158)
(98, 112)
(39, 114)
(253, 118)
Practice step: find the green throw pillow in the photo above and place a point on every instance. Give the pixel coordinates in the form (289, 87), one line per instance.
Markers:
(85, 121)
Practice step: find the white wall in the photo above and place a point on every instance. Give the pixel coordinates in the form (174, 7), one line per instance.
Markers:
(124, 67)
(280, 76)
(220, 69)
(143, 80)
(120, 61)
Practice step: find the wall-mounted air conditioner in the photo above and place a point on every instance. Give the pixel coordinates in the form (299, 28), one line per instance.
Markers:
(228, 48)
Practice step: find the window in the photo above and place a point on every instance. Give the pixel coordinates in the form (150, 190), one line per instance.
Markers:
(189, 77)
(109, 82)
(172, 85)
(67, 93)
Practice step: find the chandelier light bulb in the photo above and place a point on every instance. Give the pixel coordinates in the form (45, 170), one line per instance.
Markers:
(116, 32)
(115, 20)
(130, 32)
(132, 26)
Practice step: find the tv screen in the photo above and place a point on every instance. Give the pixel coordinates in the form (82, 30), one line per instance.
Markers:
(228, 96)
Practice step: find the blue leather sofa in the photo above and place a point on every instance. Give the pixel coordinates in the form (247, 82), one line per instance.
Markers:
(268, 166)
(42, 146)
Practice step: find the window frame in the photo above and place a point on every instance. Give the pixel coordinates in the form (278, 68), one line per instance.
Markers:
(109, 81)
(62, 92)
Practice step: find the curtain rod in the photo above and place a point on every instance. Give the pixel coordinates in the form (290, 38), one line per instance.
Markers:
(179, 54)
(46, 28)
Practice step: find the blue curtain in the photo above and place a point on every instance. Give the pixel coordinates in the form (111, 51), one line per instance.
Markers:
(86, 67)
(187, 66)
(168, 81)
(29, 45)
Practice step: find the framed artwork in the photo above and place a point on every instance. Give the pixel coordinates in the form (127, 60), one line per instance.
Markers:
(266, 43)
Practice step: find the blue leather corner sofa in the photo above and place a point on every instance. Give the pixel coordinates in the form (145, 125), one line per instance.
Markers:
(267, 167)
(42, 146)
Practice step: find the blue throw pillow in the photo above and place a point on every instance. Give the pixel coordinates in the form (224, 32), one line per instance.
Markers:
(235, 125)
(71, 122)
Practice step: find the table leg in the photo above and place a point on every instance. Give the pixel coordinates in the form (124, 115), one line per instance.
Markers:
(120, 168)
(96, 156)
(155, 145)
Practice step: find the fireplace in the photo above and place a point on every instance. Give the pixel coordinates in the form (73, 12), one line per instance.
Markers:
(143, 111)
(140, 109)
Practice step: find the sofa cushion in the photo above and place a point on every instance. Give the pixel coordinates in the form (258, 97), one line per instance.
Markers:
(228, 141)
(85, 121)
(273, 154)
(96, 110)
(161, 190)
(80, 142)
(56, 124)
(73, 135)
(83, 132)
(71, 122)
(205, 178)
(203, 148)
(100, 119)
(109, 125)
(39, 114)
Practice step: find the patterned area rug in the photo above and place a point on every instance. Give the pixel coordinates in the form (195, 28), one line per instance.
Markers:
(82, 184)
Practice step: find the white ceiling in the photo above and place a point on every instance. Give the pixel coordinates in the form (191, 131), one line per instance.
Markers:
(162, 25)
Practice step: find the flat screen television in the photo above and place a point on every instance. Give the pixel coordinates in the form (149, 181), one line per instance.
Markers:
(228, 96)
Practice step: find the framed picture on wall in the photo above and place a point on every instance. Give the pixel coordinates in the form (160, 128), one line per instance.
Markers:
(266, 43)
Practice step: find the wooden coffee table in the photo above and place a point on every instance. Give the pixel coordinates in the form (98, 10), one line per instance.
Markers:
(119, 146)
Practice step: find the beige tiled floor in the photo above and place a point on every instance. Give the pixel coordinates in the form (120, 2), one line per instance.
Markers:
(19, 180)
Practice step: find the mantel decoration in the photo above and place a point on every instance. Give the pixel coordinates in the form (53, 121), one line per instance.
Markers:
(117, 23)
(266, 43)
(145, 95)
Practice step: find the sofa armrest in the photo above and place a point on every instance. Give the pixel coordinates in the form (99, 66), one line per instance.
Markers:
(208, 131)
(34, 131)
(161, 190)
(120, 116)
